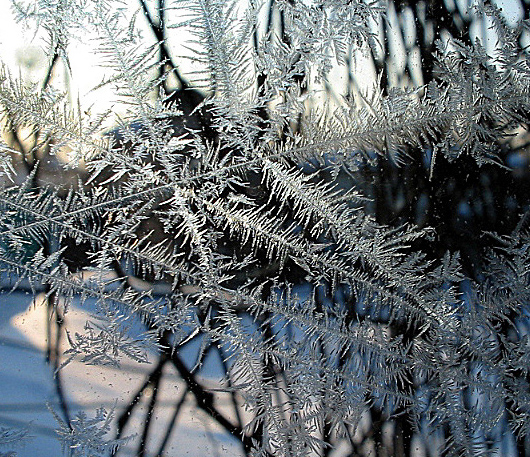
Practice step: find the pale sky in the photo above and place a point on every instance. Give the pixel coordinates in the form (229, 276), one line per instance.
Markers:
(17, 47)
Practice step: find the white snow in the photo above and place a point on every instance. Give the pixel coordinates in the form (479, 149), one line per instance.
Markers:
(28, 390)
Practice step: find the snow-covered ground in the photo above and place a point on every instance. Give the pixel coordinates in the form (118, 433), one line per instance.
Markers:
(27, 389)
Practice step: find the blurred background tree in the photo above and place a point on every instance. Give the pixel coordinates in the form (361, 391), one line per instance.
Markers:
(460, 199)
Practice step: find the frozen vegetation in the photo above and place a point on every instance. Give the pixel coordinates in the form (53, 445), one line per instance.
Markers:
(274, 254)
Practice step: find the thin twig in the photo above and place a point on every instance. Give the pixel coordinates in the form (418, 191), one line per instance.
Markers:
(156, 379)
(171, 425)
(160, 34)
